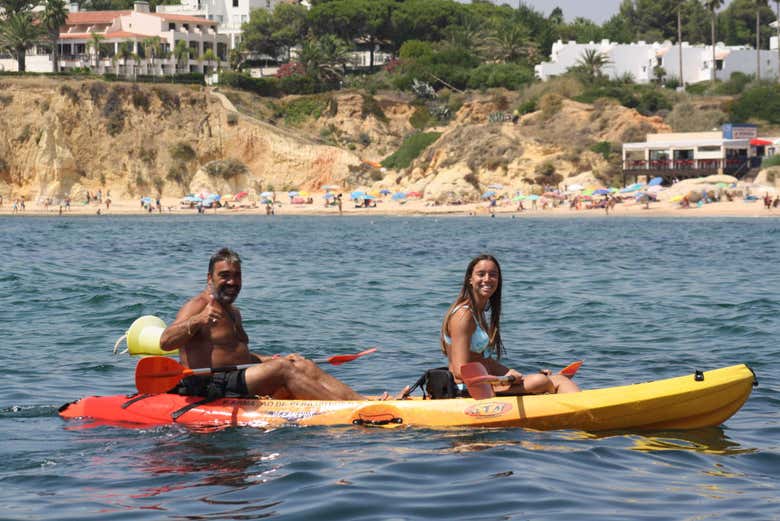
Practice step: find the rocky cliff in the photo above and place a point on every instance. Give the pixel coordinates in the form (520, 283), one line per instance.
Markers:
(66, 137)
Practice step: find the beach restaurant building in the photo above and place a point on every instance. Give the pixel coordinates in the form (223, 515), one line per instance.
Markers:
(734, 150)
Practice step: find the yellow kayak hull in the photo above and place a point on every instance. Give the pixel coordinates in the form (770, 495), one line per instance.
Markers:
(686, 402)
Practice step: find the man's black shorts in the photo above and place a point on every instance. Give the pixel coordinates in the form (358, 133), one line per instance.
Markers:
(231, 384)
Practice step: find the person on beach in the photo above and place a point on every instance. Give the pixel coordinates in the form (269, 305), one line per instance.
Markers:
(209, 333)
(468, 336)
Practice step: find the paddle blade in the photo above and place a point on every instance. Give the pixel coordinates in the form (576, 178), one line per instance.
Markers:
(157, 374)
(471, 373)
(340, 359)
(571, 369)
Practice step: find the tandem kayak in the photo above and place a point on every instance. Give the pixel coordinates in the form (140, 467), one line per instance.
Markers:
(698, 400)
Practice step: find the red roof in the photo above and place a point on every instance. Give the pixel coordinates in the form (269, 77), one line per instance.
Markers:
(94, 17)
(758, 142)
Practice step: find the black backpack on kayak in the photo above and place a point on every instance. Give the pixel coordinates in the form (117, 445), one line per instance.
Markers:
(435, 384)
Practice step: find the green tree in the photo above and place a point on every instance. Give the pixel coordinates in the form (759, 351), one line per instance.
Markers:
(712, 6)
(424, 19)
(510, 43)
(124, 52)
(592, 61)
(289, 25)
(93, 43)
(208, 56)
(18, 33)
(258, 33)
(152, 49)
(52, 18)
(366, 20)
(181, 52)
(324, 58)
(17, 6)
(738, 23)
(758, 4)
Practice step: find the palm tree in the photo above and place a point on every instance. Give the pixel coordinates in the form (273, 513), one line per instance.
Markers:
(592, 61)
(94, 44)
(151, 49)
(182, 53)
(124, 52)
(758, 4)
(679, 40)
(53, 17)
(510, 42)
(18, 33)
(208, 56)
(324, 58)
(712, 5)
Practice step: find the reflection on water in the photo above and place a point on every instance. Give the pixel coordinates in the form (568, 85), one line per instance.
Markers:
(712, 440)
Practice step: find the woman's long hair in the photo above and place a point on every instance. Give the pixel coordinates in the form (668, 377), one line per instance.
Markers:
(466, 296)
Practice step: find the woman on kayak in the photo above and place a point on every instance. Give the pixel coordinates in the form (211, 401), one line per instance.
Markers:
(468, 336)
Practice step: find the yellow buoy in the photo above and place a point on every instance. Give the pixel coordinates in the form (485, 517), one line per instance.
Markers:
(143, 337)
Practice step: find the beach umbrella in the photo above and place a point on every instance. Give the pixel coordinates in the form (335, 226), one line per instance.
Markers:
(292, 193)
(357, 194)
(186, 199)
(240, 195)
(398, 196)
(588, 191)
(676, 198)
(601, 191)
(488, 194)
(575, 187)
(632, 188)
(533, 197)
(655, 181)
(413, 194)
(654, 189)
(385, 191)
(329, 195)
(267, 194)
(519, 197)
(496, 186)
(146, 199)
(369, 197)
(330, 187)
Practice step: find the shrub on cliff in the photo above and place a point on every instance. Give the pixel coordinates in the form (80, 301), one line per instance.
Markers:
(759, 102)
(410, 149)
(225, 168)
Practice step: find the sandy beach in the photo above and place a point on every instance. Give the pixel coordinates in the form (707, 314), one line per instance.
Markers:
(413, 207)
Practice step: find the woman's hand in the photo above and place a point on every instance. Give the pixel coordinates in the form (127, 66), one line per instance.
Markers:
(518, 378)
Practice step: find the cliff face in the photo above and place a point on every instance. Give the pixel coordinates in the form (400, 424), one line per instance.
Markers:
(66, 137)
(63, 138)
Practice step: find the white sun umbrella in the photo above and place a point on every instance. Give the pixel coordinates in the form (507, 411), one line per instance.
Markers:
(575, 188)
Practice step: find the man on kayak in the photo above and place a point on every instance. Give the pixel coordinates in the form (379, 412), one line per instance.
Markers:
(208, 333)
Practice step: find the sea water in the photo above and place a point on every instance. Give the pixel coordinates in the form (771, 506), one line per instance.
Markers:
(637, 299)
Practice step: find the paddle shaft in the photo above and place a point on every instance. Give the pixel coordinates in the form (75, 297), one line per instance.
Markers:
(226, 369)
(157, 374)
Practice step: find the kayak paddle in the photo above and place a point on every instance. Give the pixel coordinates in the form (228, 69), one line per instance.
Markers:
(159, 374)
(479, 382)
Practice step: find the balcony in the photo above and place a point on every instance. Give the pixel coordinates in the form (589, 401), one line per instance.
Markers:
(691, 167)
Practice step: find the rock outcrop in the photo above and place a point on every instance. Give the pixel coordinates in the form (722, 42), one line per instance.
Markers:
(66, 137)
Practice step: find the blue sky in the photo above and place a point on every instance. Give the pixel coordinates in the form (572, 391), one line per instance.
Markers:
(597, 10)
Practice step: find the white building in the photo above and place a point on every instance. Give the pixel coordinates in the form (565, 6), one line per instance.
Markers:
(640, 59)
(229, 14)
(133, 27)
(735, 150)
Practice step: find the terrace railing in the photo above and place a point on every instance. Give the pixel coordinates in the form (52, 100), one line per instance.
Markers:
(691, 167)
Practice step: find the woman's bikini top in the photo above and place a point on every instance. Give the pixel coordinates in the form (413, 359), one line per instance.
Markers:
(479, 339)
